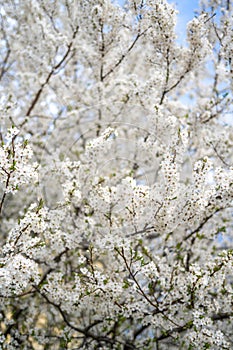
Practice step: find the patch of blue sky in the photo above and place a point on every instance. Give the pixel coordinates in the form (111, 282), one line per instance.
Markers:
(186, 12)
(186, 9)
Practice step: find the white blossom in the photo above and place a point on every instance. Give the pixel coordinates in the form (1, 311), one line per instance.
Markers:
(116, 176)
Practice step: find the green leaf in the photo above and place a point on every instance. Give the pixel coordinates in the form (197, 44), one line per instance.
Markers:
(40, 205)
(13, 166)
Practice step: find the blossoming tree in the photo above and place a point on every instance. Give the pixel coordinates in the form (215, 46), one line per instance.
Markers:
(116, 176)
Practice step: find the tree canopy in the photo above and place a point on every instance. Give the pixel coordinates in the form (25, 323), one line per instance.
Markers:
(116, 173)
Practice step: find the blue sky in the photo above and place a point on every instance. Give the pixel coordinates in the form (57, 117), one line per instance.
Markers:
(186, 10)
